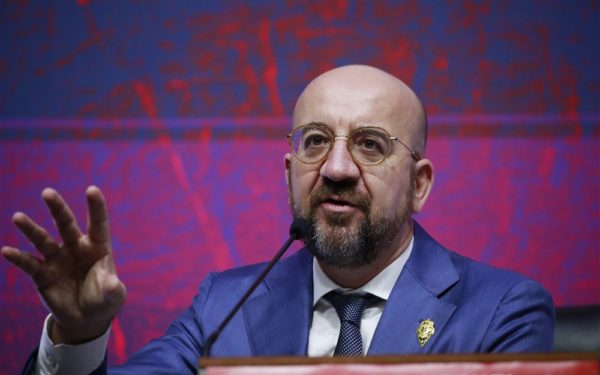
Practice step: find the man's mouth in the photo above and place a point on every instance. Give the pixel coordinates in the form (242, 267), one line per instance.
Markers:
(337, 205)
(328, 200)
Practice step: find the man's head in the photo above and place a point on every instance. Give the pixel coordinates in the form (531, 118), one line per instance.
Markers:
(359, 205)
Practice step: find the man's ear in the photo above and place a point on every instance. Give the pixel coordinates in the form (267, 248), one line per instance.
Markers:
(423, 183)
(287, 159)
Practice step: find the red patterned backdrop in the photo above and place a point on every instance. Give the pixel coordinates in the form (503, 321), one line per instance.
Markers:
(178, 110)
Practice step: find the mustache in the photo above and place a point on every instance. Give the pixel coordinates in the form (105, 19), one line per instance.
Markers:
(342, 192)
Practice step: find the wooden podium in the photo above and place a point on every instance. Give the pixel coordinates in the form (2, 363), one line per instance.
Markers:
(472, 364)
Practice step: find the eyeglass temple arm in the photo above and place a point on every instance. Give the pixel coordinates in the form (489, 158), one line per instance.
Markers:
(415, 155)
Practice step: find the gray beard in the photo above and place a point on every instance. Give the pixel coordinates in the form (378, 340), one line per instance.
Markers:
(340, 245)
(345, 247)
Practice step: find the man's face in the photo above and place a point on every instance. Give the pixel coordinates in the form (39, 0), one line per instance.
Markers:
(356, 211)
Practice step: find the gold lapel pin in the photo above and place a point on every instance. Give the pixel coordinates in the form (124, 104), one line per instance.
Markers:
(425, 331)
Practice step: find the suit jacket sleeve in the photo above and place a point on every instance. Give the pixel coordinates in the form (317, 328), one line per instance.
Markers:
(523, 321)
(179, 349)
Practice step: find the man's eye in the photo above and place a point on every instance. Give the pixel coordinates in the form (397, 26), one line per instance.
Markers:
(370, 145)
(315, 140)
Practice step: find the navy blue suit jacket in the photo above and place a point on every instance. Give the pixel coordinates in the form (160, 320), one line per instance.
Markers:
(474, 307)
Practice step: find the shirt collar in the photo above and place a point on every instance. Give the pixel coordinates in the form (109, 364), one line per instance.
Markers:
(381, 285)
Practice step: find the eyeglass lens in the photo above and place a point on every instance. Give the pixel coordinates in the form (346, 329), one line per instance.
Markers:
(367, 145)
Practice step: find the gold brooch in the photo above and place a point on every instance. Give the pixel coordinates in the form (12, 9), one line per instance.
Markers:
(425, 331)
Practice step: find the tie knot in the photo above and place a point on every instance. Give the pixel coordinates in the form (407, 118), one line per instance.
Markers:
(350, 307)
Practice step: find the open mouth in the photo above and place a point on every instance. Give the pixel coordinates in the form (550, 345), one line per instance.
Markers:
(339, 202)
(337, 205)
(326, 200)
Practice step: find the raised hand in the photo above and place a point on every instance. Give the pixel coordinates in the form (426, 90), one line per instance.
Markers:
(77, 279)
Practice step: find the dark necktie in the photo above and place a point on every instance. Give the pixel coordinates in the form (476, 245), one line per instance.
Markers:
(350, 308)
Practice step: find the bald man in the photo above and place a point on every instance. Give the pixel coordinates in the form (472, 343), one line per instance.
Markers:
(356, 171)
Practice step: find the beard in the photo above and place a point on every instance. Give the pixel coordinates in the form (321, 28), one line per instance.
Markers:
(335, 240)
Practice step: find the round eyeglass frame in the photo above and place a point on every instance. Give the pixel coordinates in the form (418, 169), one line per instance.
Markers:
(414, 154)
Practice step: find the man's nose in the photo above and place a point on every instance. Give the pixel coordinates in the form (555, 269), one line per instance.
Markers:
(339, 165)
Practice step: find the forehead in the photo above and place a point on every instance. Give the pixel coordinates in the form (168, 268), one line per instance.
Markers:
(344, 106)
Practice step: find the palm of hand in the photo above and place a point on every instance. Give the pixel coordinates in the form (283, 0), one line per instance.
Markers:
(77, 279)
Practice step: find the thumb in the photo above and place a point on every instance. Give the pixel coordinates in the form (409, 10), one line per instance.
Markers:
(115, 292)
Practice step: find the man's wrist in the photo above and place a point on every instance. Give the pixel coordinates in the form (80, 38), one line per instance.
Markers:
(75, 335)
(59, 358)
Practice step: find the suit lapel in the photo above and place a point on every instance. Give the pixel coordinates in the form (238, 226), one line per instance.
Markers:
(428, 273)
(279, 318)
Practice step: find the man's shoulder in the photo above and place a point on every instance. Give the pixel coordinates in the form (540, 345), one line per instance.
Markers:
(488, 279)
(468, 267)
(494, 309)
(240, 278)
(472, 274)
(219, 291)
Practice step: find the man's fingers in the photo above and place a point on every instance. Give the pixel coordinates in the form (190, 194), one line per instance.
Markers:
(98, 231)
(63, 216)
(26, 262)
(37, 235)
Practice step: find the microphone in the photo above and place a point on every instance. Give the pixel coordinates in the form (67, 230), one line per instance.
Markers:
(299, 229)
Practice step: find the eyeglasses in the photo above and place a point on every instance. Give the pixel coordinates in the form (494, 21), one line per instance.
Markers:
(368, 146)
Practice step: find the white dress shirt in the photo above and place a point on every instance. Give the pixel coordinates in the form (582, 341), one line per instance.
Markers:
(324, 331)
(69, 359)
(325, 327)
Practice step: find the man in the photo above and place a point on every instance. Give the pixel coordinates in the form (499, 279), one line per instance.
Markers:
(356, 171)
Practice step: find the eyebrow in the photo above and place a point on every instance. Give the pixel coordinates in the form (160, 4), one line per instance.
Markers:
(359, 126)
(315, 123)
(319, 123)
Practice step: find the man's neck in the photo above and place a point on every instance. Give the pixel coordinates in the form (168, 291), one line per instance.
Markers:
(359, 276)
